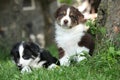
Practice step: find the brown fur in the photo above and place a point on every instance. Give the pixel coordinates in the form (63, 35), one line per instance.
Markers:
(94, 5)
(88, 42)
(61, 52)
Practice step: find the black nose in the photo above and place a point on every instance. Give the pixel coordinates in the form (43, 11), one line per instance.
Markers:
(19, 66)
(65, 21)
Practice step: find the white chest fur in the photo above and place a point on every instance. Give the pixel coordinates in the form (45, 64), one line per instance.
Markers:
(68, 38)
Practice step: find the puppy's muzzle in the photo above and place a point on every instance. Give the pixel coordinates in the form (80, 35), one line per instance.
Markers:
(19, 66)
(65, 21)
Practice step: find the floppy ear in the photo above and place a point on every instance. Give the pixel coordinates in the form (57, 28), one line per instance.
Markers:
(15, 48)
(59, 9)
(34, 48)
(81, 17)
(56, 13)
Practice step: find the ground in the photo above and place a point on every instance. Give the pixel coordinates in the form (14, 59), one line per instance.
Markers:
(98, 67)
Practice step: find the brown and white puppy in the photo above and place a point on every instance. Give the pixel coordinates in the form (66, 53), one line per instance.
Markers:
(71, 36)
(89, 8)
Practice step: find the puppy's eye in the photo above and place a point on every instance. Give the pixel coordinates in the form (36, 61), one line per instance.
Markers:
(62, 13)
(72, 16)
(26, 56)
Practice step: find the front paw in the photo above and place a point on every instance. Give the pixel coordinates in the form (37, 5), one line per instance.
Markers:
(53, 66)
(64, 62)
(78, 58)
(26, 69)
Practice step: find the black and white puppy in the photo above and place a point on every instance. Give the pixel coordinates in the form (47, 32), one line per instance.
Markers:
(71, 36)
(28, 54)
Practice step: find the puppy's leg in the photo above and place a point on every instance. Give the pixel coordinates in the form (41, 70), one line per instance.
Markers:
(52, 66)
(26, 69)
(92, 16)
(80, 55)
(78, 58)
(64, 61)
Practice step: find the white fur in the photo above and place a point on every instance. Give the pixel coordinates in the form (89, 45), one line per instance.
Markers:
(26, 69)
(22, 61)
(21, 49)
(66, 17)
(68, 39)
(52, 66)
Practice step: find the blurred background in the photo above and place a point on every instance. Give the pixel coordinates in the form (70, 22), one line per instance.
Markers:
(33, 20)
(28, 20)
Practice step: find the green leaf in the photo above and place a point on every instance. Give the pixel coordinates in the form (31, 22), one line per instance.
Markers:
(118, 53)
(111, 49)
(103, 30)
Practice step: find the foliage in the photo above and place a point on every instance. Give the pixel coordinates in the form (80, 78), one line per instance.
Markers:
(65, 1)
(104, 45)
(94, 28)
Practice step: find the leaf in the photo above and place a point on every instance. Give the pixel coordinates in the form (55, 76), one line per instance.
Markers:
(111, 49)
(103, 30)
(118, 53)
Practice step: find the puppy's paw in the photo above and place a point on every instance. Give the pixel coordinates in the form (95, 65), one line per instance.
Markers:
(26, 69)
(53, 66)
(78, 58)
(65, 62)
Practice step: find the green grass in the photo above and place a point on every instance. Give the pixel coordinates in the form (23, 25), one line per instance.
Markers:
(99, 67)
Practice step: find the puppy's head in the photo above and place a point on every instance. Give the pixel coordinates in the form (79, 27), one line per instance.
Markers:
(68, 16)
(24, 53)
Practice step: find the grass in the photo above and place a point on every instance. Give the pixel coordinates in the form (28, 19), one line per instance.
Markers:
(99, 67)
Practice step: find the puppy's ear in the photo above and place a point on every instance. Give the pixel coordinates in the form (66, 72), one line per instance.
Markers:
(15, 48)
(57, 11)
(81, 17)
(34, 48)
(62, 7)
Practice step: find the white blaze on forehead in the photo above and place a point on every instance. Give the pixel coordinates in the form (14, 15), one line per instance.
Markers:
(21, 49)
(68, 12)
(66, 17)
(23, 61)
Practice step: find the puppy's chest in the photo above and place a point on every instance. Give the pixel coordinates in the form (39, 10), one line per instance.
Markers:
(67, 39)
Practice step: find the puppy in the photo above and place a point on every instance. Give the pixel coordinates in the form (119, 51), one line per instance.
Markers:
(89, 8)
(71, 36)
(28, 54)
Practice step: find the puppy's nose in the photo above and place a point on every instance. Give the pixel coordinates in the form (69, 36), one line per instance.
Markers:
(19, 66)
(65, 21)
